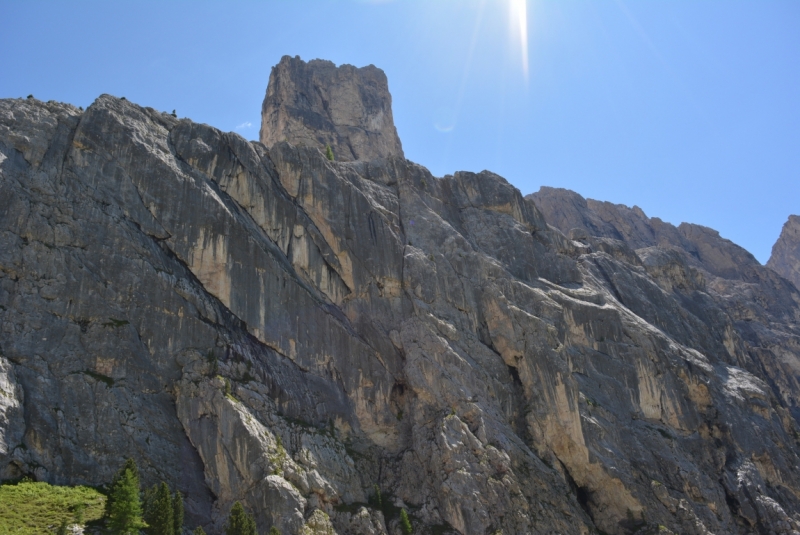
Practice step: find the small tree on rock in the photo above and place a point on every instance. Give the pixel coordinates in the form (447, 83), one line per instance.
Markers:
(274, 531)
(199, 531)
(239, 522)
(405, 523)
(329, 152)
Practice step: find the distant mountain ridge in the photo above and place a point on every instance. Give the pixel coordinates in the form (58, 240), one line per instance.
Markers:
(332, 342)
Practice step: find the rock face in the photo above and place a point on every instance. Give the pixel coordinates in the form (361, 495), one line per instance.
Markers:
(332, 342)
(693, 261)
(316, 104)
(785, 258)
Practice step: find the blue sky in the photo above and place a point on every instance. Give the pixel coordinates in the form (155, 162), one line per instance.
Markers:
(690, 110)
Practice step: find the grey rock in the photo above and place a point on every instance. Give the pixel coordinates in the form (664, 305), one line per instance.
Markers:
(260, 324)
(317, 104)
(785, 257)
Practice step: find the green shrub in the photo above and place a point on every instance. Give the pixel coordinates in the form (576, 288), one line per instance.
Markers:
(28, 507)
(329, 152)
(79, 511)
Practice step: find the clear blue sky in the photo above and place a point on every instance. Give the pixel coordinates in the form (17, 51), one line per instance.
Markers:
(688, 109)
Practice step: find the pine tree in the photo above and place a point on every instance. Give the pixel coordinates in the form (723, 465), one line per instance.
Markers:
(158, 511)
(405, 523)
(177, 512)
(274, 531)
(199, 531)
(130, 464)
(329, 152)
(125, 510)
(239, 522)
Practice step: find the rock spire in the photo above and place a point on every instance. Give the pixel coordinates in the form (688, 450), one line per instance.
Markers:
(317, 104)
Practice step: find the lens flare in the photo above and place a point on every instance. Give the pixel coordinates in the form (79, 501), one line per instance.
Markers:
(518, 23)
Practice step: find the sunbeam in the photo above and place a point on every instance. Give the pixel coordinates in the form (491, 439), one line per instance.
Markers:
(518, 22)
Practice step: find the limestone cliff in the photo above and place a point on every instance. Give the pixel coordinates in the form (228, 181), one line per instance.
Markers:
(785, 258)
(253, 322)
(316, 104)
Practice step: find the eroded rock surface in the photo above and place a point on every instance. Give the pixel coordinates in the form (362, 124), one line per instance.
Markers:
(332, 342)
(785, 258)
(316, 104)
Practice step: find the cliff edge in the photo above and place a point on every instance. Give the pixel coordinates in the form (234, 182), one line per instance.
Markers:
(785, 257)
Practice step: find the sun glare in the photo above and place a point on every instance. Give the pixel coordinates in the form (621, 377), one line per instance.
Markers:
(518, 24)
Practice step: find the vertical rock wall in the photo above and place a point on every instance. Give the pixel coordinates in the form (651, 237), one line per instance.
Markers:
(332, 342)
(317, 104)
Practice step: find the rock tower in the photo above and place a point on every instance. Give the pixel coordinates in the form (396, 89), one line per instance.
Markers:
(317, 104)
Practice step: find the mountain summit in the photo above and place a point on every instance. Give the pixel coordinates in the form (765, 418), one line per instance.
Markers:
(317, 104)
(348, 346)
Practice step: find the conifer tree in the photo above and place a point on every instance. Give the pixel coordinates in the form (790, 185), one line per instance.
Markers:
(130, 464)
(125, 509)
(177, 512)
(274, 531)
(329, 152)
(199, 531)
(405, 523)
(158, 511)
(239, 522)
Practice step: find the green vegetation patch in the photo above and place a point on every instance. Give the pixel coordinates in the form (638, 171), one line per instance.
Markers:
(29, 508)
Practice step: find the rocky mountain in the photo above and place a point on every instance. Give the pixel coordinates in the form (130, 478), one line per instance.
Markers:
(785, 258)
(316, 104)
(330, 342)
